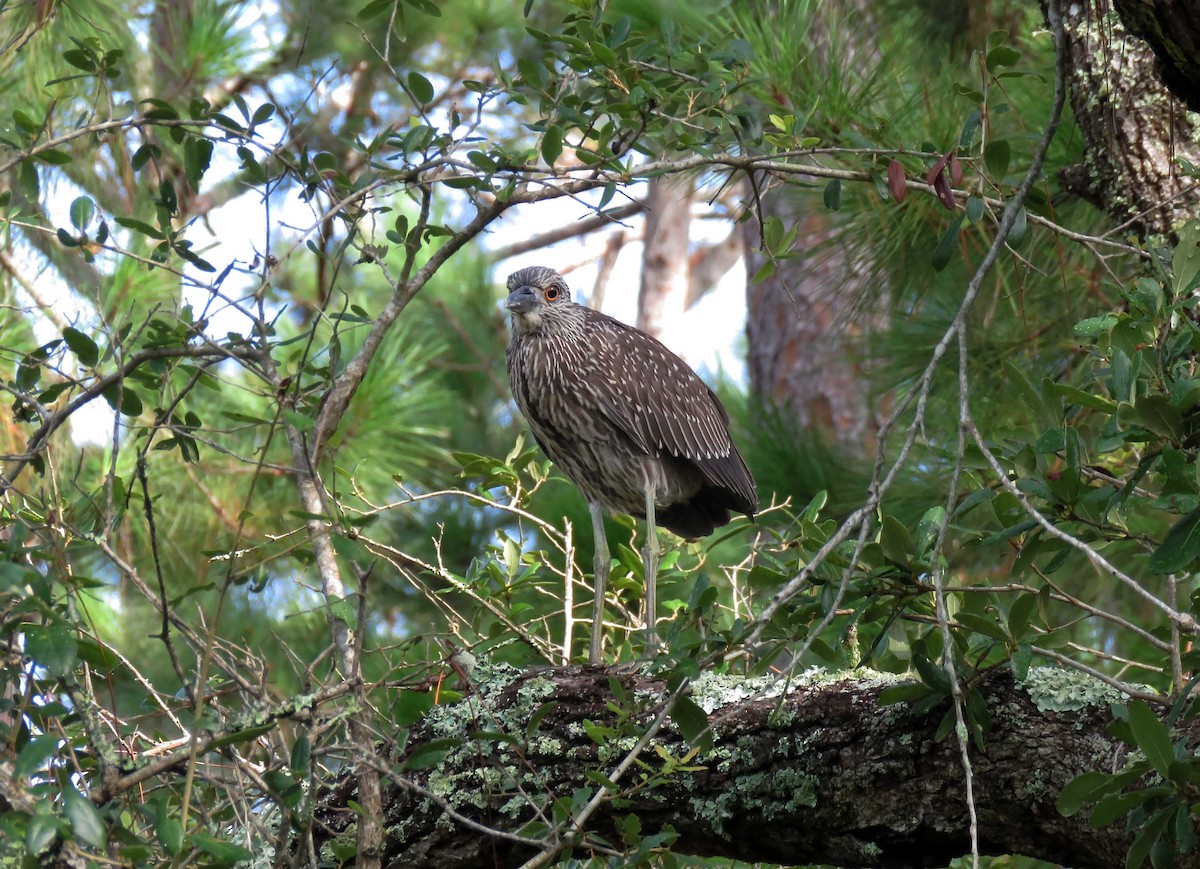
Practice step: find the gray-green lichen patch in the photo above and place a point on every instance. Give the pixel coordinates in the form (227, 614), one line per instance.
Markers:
(488, 680)
(770, 795)
(1053, 689)
(340, 847)
(712, 691)
(459, 777)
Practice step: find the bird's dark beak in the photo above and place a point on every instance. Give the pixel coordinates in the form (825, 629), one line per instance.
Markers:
(522, 300)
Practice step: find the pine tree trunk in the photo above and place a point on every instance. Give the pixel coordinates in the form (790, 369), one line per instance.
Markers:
(802, 351)
(663, 295)
(1132, 129)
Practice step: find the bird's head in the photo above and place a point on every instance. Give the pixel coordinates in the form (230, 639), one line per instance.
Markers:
(536, 294)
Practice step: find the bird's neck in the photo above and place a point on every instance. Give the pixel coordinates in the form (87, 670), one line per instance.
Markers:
(526, 324)
(562, 323)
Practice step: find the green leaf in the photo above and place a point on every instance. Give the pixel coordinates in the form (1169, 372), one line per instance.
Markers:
(974, 209)
(1185, 832)
(54, 157)
(904, 694)
(1020, 228)
(1078, 396)
(301, 754)
(429, 754)
(1159, 415)
(27, 180)
(552, 144)
(1150, 840)
(40, 833)
(34, 755)
(1020, 661)
(1002, 55)
(143, 155)
(692, 723)
(981, 624)
(1186, 261)
(948, 244)
(82, 211)
(375, 7)
(197, 156)
(928, 527)
(539, 714)
(1092, 326)
(300, 421)
(124, 400)
(996, 156)
(262, 114)
(219, 849)
(411, 706)
(972, 501)
(167, 828)
(896, 542)
(139, 226)
(82, 346)
(1152, 736)
(25, 122)
(427, 6)
(1117, 806)
(1020, 615)
(1048, 412)
(420, 88)
(1083, 789)
(1181, 546)
(84, 60)
(602, 780)
(931, 674)
(85, 821)
(54, 647)
(239, 736)
(833, 195)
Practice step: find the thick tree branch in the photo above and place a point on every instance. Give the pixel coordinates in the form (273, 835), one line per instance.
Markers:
(1131, 132)
(831, 774)
(1172, 29)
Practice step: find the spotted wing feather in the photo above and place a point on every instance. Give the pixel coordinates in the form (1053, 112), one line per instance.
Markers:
(659, 402)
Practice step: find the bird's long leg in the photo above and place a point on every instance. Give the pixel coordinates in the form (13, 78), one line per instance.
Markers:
(650, 569)
(600, 565)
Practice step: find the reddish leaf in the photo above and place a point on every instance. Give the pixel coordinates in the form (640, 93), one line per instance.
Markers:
(945, 193)
(895, 176)
(956, 173)
(936, 169)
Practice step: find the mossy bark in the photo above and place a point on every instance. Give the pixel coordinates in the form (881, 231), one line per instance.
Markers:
(821, 774)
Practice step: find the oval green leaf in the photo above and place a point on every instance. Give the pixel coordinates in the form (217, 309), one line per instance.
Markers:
(86, 823)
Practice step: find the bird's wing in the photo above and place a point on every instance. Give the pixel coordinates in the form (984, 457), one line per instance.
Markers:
(659, 402)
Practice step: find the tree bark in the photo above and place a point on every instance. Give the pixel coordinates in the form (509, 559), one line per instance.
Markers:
(1131, 130)
(1172, 30)
(825, 774)
(663, 295)
(802, 326)
(801, 331)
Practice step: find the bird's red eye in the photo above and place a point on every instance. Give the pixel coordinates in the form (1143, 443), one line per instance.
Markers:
(551, 294)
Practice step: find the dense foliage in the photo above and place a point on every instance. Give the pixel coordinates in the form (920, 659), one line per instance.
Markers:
(262, 481)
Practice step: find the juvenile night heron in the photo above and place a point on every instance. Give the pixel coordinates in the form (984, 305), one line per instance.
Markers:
(626, 420)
